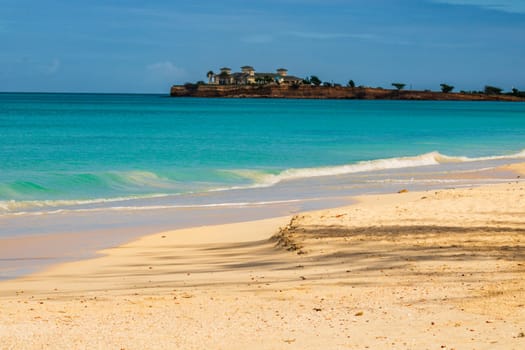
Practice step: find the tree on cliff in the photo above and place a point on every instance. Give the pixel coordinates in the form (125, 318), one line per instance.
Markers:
(351, 83)
(492, 90)
(315, 80)
(399, 86)
(210, 75)
(446, 88)
(516, 92)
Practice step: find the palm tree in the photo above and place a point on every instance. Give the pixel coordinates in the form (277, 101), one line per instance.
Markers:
(210, 75)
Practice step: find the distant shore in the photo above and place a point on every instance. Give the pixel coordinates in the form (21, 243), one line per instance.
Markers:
(328, 92)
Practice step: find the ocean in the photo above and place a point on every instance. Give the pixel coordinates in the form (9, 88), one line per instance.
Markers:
(87, 162)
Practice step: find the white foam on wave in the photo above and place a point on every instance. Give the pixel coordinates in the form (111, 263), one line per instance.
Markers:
(14, 205)
(153, 207)
(432, 158)
(259, 178)
(144, 178)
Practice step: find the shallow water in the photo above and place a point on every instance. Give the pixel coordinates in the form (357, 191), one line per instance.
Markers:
(112, 167)
(63, 149)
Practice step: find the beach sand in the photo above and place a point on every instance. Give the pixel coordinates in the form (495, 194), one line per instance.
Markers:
(428, 270)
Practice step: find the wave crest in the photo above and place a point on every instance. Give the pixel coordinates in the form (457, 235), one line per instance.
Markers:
(22, 194)
(431, 158)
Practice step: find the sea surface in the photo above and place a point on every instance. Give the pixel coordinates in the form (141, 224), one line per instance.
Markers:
(92, 162)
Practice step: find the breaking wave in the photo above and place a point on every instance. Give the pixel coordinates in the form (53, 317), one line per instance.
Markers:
(125, 187)
(432, 158)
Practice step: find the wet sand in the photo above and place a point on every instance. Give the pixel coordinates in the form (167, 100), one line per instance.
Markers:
(441, 269)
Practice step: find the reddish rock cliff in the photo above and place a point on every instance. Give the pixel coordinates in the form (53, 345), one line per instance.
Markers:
(323, 92)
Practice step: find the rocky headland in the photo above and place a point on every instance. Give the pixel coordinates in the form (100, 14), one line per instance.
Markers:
(327, 92)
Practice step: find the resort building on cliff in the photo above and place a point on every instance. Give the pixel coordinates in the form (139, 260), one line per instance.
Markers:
(247, 75)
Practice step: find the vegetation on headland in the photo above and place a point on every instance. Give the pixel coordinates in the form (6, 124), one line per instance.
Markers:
(330, 92)
(313, 87)
(398, 86)
(446, 88)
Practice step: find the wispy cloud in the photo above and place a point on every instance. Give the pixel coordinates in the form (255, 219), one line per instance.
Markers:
(31, 66)
(329, 36)
(171, 17)
(257, 39)
(53, 67)
(211, 18)
(165, 70)
(160, 75)
(512, 6)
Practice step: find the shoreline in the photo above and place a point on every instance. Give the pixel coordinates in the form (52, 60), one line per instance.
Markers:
(28, 254)
(76, 239)
(415, 269)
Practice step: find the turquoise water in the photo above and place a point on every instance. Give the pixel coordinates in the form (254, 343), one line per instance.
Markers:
(59, 149)
(104, 169)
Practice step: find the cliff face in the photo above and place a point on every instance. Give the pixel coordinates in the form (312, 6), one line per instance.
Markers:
(323, 92)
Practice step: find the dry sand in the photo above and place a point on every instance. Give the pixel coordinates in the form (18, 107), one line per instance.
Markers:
(431, 270)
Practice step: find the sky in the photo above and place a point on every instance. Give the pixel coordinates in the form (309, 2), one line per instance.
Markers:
(142, 46)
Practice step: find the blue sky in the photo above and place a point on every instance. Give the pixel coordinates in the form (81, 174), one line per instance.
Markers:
(146, 46)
